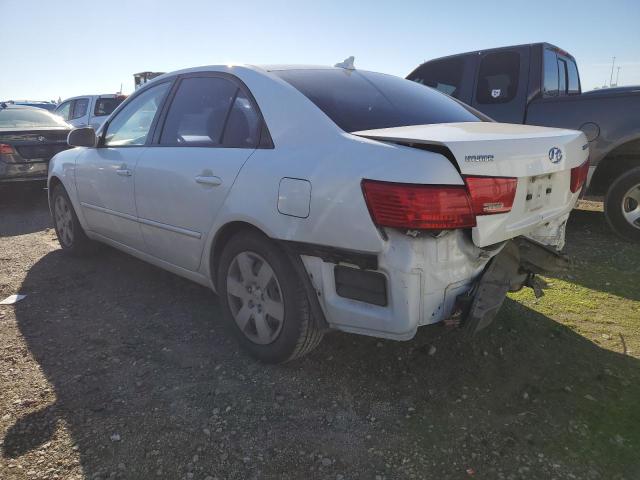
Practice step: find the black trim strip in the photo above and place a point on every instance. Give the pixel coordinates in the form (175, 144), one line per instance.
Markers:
(366, 261)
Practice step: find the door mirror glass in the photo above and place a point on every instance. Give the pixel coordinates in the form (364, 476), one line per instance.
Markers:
(82, 137)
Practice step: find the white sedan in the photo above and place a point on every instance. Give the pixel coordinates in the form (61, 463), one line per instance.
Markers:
(315, 198)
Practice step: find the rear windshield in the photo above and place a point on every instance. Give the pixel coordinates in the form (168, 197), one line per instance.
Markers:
(29, 118)
(358, 100)
(104, 106)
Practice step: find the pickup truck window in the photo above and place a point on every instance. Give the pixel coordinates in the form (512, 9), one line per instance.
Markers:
(359, 100)
(550, 85)
(562, 76)
(498, 78)
(573, 86)
(106, 105)
(79, 108)
(443, 75)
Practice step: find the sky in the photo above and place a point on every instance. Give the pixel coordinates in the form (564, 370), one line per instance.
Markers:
(64, 48)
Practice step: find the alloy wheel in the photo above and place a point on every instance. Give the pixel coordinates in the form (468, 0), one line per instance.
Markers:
(64, 220)
(631, 206)
(255, 298)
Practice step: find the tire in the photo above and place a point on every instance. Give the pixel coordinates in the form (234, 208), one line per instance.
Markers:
(70, 233)
(264, 300)
(622, 205)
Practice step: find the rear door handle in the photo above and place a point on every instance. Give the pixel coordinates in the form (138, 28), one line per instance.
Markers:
(123, 172)
(208, 180)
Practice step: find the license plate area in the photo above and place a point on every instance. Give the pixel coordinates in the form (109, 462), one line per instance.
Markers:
(539, 190)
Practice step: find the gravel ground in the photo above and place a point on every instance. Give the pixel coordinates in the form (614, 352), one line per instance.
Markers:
(112, 368)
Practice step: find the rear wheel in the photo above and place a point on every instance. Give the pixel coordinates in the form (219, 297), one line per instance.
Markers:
(264, 301)
(70, 234)
(622, 205)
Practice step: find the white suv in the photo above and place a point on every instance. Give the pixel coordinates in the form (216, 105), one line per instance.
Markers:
(88, 110)
(314, 198)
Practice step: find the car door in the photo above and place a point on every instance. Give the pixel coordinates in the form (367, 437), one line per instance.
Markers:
(105, 175)
(210, 128)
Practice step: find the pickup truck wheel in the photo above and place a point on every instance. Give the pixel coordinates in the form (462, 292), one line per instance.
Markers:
(264, 301)
(622, 205)
(70, 234)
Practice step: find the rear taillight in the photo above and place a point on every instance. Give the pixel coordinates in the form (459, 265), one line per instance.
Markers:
(6, 149)
(579, 176)
(437, 207)
(405, 205)
(491, 194)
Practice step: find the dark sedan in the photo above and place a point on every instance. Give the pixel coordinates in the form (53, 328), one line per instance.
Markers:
(29, 137)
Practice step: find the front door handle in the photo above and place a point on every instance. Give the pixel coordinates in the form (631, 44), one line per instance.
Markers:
(208, 180)
(123, 172)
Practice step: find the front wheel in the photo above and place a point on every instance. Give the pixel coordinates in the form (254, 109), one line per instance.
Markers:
(70, 234)
(622, 205)
(264, 301)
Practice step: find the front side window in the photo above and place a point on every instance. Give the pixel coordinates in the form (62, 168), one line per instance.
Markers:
(132, 124)
(79, 108)
(198, 112)
(443, 75)
(64, 110)
(360, 100)
(498, 78)
(551, 79)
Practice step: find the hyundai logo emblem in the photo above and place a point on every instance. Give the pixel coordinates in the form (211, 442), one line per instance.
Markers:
(555, 155)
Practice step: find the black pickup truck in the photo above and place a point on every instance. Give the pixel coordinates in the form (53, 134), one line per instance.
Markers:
(539, 84)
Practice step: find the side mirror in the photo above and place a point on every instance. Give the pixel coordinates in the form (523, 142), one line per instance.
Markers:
(82, 137)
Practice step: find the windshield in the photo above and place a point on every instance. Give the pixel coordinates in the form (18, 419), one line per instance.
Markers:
(29, 118)
(358, 100)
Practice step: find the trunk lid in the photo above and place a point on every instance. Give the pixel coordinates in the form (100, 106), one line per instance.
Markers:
(540, 158)
(35, 144)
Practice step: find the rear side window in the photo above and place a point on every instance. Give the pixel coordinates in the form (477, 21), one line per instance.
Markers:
(562, 76)
(443, 75)
(498, 78)
(80, 107)
(359, 100)
(243, 124)
(198, 112)
(573, 80)
(550, 85)
(106, 105)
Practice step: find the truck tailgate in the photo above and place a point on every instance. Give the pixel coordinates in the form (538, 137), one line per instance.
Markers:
(540, 158)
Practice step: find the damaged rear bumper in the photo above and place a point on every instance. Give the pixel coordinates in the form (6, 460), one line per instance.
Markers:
(513, 268)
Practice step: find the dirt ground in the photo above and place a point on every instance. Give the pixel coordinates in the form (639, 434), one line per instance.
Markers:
(111, 368)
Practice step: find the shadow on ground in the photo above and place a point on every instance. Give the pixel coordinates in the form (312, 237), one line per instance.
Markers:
(147, 378)
(601, 260)
(23, 209)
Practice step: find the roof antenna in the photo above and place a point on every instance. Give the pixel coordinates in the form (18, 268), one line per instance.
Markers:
(347, 64)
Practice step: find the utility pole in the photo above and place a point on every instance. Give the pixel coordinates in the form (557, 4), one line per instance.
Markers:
(612, 65)
(617, 76)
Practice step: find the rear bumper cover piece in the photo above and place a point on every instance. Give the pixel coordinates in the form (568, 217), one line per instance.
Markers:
(512, 269)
